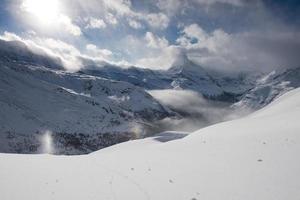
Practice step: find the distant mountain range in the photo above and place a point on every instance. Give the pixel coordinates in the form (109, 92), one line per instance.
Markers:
(185, 75)
(100, 106)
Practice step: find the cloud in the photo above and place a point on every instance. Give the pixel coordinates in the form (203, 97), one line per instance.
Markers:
(68, 54)
(71, 58)
(226, 35)
(158, 20)
(135, 24)
(178, 7)
(196, 111)
(111, 19)
(66, 24)
(151, 51)
(171, 7)
(94, 50)
(94, 23)
(117, 11)
(154, 41)
(46, 15)
(231, 2)
(122, 7)
(256, 50)
(190, 32)
(161, 59)
(7, 36)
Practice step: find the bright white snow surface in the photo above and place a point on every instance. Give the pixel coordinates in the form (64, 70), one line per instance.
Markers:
(256, 157)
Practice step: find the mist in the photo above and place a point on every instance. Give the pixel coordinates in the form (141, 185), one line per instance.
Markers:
(195, 111)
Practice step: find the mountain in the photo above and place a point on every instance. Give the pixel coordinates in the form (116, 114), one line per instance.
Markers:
(187, 75)
(144, 78)
(184, 75)
(101, 106)
(256, 157)
(249, 91)
(82, 113)
(16, 51)
(269, 87)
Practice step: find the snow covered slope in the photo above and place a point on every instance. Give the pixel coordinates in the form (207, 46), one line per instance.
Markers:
(256, 157)
(83, 113)
(16, 51)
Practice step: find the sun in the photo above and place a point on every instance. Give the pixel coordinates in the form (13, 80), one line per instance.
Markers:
(46, 11)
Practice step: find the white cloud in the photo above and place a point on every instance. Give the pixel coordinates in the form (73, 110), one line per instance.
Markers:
(122, 7)
(161, 59)
(71, 58)
(134, 24)
(209, 2)
(117, 11)
(257, 50)
(212, 49)
(171, 6)
(194, 37)
(94, 23)
(154, 41)
(69, 55)
(158, 20)
(47, 16)
(175, 7)
(7, 36)
(201, 112)
(193, 31)
(150, 51)
(111, 19)
(67, 24)
(95, 51)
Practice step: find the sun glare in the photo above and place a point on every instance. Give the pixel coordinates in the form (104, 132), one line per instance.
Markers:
(47, 142)
(44, 10)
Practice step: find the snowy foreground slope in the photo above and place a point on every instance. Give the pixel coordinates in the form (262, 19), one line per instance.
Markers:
(256, 157)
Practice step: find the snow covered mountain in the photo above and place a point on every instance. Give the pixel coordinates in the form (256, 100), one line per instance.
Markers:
(82, 113)
(255, 157)
(247, 90)
(188, 75)
(269, 88)
(16, 51)
(184, 75)
(101, 106)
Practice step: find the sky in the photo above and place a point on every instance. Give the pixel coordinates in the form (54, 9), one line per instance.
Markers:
(224, 35)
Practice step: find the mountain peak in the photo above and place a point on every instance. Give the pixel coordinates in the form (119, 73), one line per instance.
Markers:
(181, 60)
(183, 65)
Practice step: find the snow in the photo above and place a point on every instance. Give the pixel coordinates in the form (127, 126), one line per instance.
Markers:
(183, 75)
(255, 157)
(268, 88)
(78, 109)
